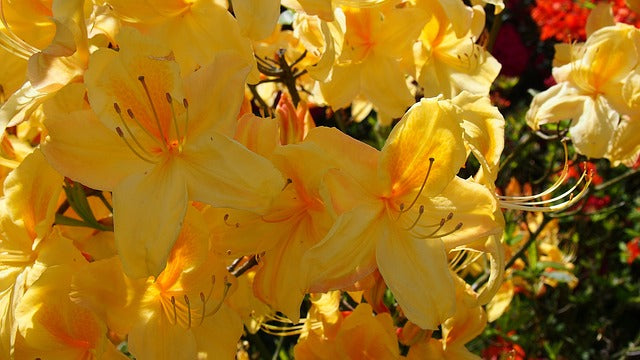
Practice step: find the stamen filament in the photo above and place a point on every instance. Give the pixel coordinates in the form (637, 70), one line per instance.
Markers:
(146, 131)
(175, 311)
(153, 108)
(204, 304)
(185, 103)
(186, 301)
(424, 182)
(420, 212)
(121, 134)
(175, 120)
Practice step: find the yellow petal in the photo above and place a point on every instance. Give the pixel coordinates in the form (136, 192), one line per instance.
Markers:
(256, 18)
(346, 254)
(215, 93)
(418, 275)
(430, 129)
(223, 173)
(471, 204)
(383, 83)
(148, 212)
(81, 147)
(32, 194)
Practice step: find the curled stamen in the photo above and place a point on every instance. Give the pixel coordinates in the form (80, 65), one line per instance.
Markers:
(153, 109)
(434, 234)
(121, 134)
(524, 203)
(175, 311)
(186, 301)
(420, 212)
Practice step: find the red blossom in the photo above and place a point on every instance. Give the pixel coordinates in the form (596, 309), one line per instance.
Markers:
(565, 20)
(633, 247)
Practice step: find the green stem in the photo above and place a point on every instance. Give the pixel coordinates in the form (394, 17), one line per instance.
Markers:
(531, 240)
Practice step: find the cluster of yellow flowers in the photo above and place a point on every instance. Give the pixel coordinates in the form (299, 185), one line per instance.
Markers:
(202, 216)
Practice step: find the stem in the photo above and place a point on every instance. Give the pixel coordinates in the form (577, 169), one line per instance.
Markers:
(531, 240)
(606, 184)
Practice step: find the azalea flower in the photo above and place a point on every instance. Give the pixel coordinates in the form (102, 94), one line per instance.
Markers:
(156, 133)
(590, 91)
(406, 220)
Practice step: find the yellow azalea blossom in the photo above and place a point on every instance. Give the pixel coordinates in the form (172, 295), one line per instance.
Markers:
(449, 63)
(61, 62)
(296, 221)
(181, 313)
(156, 133)
(468, 322)
(590, 92)
(368, 58)
(360, 335)
(402, 211)
(53, 327)
(190, 28)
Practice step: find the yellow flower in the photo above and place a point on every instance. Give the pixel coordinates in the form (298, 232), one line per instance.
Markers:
(51, 326)
(156, 134)
(590, 92)
(360, 335)
(402, 212)
(449, 63)
(368, 58)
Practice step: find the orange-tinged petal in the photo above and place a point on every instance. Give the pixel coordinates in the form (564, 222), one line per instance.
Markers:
(259, 135)
(114, 77)
(417, 273)
(32, 193)
(430, 129)
(276, 283)
(223, 173)
(363, 335)
(148, 211)
(104, 288)
(80, 147)
(57, 323)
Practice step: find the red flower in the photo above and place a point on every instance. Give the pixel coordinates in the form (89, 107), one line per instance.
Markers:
(565, 20)
(633, 247)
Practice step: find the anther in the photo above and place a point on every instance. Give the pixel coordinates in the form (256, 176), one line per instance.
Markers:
(289, 181)
(186, 301)
(121, 134)
(226, 222)
(420, 212)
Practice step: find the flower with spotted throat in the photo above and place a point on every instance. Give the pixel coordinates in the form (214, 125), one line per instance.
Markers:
(158, 140)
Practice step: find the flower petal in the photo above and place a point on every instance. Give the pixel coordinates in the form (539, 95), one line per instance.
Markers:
(346, 254)
(221, 172)
(80, 147)
(430, 129)
(148, 212)
(417, 273)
